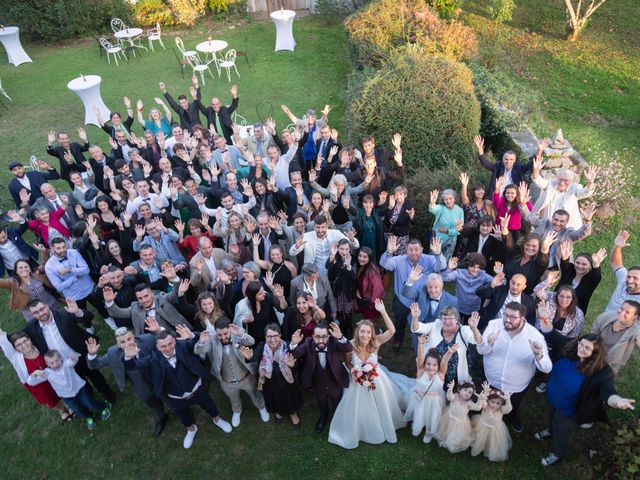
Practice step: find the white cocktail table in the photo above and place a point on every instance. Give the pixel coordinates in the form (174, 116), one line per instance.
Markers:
(283, 19)
(10, 38)
(130, 35)
(87, 87)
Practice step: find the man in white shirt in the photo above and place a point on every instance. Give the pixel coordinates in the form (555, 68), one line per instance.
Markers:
(317, 244)
(513, 350)
(627, 281)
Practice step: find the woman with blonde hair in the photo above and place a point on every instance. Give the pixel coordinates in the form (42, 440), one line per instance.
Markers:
(207, 310)
(369, 410)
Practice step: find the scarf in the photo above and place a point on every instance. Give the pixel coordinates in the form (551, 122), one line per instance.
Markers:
(269, 356)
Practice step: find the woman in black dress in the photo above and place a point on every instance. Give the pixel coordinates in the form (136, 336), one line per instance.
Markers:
(583, 274)
(344, 283)
(277, 382)
(279, 271)
(303, 316)
(533, 259)
(261, 308)
(106, 217)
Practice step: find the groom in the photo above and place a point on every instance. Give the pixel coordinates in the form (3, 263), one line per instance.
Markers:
(322, 366)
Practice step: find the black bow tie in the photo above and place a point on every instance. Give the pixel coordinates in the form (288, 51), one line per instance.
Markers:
(324, 350)
(64, 259)
(431, 299)
(170, 356)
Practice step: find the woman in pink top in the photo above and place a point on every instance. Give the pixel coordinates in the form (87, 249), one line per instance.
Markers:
(45, 225)
(508, 204)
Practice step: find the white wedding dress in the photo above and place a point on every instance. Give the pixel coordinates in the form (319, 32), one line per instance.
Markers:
(364, 415)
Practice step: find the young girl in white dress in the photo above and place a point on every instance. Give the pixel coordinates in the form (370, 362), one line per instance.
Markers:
(426, 400)
(370, 415)
(491, 435)
(454, 429)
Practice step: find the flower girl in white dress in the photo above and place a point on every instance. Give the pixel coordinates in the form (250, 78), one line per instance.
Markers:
(426, 400)
(369, 409)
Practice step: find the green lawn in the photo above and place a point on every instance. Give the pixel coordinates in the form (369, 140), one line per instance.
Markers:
(36, 445)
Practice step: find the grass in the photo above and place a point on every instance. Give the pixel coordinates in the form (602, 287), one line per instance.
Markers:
(36, 445)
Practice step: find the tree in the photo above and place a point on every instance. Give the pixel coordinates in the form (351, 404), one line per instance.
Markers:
(576, 19)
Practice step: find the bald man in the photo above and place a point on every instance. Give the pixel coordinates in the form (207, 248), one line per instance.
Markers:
(499, 293)
(205, 264)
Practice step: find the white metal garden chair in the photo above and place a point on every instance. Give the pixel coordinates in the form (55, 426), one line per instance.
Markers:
(199, 67)
(4, 93)
(228, 63)
(186, 53)
(115, 50)
(117, 25)
(155, 34)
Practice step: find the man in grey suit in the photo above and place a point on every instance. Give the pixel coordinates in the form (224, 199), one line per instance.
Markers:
(317, 285)
(141, 383)
(52, 200)
(228, 365)
(150, 306)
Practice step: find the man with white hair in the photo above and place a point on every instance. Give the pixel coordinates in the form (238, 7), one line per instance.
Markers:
(562, 193)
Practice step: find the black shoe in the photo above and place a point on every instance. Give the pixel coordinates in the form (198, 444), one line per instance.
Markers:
(110, 396)
(516, 424)
(320, 425)
(160, 423)
(277, 419)
(298, 425)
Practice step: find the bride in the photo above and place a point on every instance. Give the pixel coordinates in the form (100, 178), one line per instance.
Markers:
(368, 413)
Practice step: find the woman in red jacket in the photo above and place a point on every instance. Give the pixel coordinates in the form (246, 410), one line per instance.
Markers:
(370, 285)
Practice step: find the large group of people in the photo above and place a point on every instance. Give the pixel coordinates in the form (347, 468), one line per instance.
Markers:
(247, 260)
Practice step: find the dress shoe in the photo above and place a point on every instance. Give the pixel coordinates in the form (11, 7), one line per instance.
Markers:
(298, 425)
(264, 415)
(110, 396)
(235, 419)
(223, 425)
(160, 423)
(515, 423)
(320, 425)
(188, 438)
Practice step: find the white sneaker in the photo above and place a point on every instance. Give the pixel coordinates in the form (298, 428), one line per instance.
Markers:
(550, 459)
(264, 415)
(427, 438)
(188, 438)
(223, 425)
(586, 426)
(111, 323)
(541, 387)
(235, 419)
(90, 330)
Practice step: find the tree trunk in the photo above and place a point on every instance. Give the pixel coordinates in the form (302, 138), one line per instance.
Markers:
(572, 35)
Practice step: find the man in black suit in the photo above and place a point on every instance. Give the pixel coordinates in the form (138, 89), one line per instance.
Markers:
(187, 111)
(176, 372)
(508, 166)
(140, 382)
(25, 187)
(323, 146)
(167, 171)
(269, 232)
(52, 200)
(322, 366)
(296, 196)
(101, 166)
(59, 330)
(70, 154)
(13, 248)
(481, 240)
(382, 155)
(220, 116)
(500, 294)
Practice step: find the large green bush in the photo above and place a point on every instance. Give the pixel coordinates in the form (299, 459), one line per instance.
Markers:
(429, 100)
(53, 20)
(385, 27)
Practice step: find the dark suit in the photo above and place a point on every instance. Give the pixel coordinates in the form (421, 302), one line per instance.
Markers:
(496, 297)
(497, 170)
(36, 179)
(141, 384)
(274, 237)
(76, 151)
(326, 172)
(70, 216)
(224, 115)
(328, 382)
(492, 250)
(290, 197)
(98, 171)
(14, 235)
(75, 337)
(170, 381)
(189, 117)
(175, 171)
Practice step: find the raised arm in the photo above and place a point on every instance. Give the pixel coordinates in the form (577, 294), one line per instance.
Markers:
(391, 329)
(619, 243)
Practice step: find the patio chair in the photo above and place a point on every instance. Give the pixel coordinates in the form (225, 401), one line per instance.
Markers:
(117, 25)
(181, 60)
(199, 67)
(96, 37)
(115, 50)
(228, 63)
(244, 53)
(4, 92)
(186, 53)
(155, 34)
(239, 119)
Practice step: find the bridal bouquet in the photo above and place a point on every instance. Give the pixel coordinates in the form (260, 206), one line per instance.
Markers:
(365, 374)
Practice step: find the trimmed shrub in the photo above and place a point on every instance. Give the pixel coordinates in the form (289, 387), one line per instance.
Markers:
(148, 12)
(53, 20)
(429, 100)
(386, 26)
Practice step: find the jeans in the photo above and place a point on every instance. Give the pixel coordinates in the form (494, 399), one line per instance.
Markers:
(83, 404)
